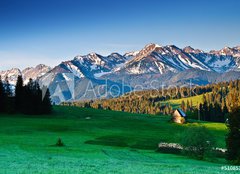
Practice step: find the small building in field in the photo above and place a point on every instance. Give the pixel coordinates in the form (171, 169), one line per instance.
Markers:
(179, 116)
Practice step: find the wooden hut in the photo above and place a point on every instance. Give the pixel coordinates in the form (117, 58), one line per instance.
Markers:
(179, 116)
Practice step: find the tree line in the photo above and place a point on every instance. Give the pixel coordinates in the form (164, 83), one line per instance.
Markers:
(26, 99)
(146, 102)
(220, 103)
(214, 106)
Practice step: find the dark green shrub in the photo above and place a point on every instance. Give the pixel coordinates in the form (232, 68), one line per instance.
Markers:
(197, 142)
(59, 143)
(233, 137)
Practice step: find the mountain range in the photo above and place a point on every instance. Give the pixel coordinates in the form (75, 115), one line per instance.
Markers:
(94, 76)
(30, 72)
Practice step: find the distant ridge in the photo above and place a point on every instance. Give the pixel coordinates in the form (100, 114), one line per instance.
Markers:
(168, 64)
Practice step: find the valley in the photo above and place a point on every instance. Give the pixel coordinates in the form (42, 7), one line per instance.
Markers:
(97, 141)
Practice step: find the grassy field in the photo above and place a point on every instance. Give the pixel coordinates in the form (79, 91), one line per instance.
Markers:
(96, 141)
(177, 102)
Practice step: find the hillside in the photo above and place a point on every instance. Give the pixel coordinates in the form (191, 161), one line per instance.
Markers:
(98, 141)
(214, 101)
(176, 103)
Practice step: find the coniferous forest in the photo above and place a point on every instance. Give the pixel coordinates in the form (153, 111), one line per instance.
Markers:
(220, 103)
(25, 99)
(216, 103)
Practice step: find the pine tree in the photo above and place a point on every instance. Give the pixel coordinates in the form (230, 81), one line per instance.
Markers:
(187, 105)
(29, 105)
(210, 114)
(224, 111)
(218, 115)
(183, 106)
(46, 103)
(37, 93)
(19, 94)
(233, 137)
(2, 96)
(191, 105)
(9, 102)
(201, 112)
(205, 115)
(7, 87)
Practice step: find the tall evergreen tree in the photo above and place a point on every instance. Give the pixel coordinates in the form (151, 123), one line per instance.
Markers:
(29, 104)
(183, 106)
(2, 96)
(9, 100)
(205, 115)
(19, 94)
(34, 103)
(201, 112)
(188, 106)
(47, 104)
(224, 111)
(218, 115)
(7, 87)
(233, 137)
(210, 113)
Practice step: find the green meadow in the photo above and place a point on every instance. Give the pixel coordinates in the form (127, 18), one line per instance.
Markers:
(97, 141)
(175, 103)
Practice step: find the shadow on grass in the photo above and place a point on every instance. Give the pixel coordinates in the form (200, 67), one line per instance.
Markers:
(144, 145)
(109, 141)
(120, 141)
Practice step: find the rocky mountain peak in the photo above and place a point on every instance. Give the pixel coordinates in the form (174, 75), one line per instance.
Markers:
(190, 49)
(27, 73)
(130, 55)
(147, 50)
(11, 74)
(151, 62)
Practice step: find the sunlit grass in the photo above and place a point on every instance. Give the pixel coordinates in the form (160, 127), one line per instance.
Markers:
(96, 141)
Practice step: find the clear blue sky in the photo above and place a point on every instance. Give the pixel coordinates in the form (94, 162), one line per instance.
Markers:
(47, 31)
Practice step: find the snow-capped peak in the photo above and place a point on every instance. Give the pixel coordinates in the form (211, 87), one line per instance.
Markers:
(148, 49)
(11, 74)
(153, 58)
(189, 49)
(35, 72)
(237, 48)
(152, 45)
(130, 55)
(227, 51)
(27, 73)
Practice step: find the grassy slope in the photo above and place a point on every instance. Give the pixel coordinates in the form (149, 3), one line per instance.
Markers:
(177, 102)
(108, 142)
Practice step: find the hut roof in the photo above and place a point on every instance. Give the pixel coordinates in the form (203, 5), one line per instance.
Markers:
(183, 114)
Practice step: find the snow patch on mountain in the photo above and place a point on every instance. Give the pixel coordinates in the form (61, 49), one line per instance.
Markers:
(10, 75)
(74, 69)
(153, 58)
(31, 72)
